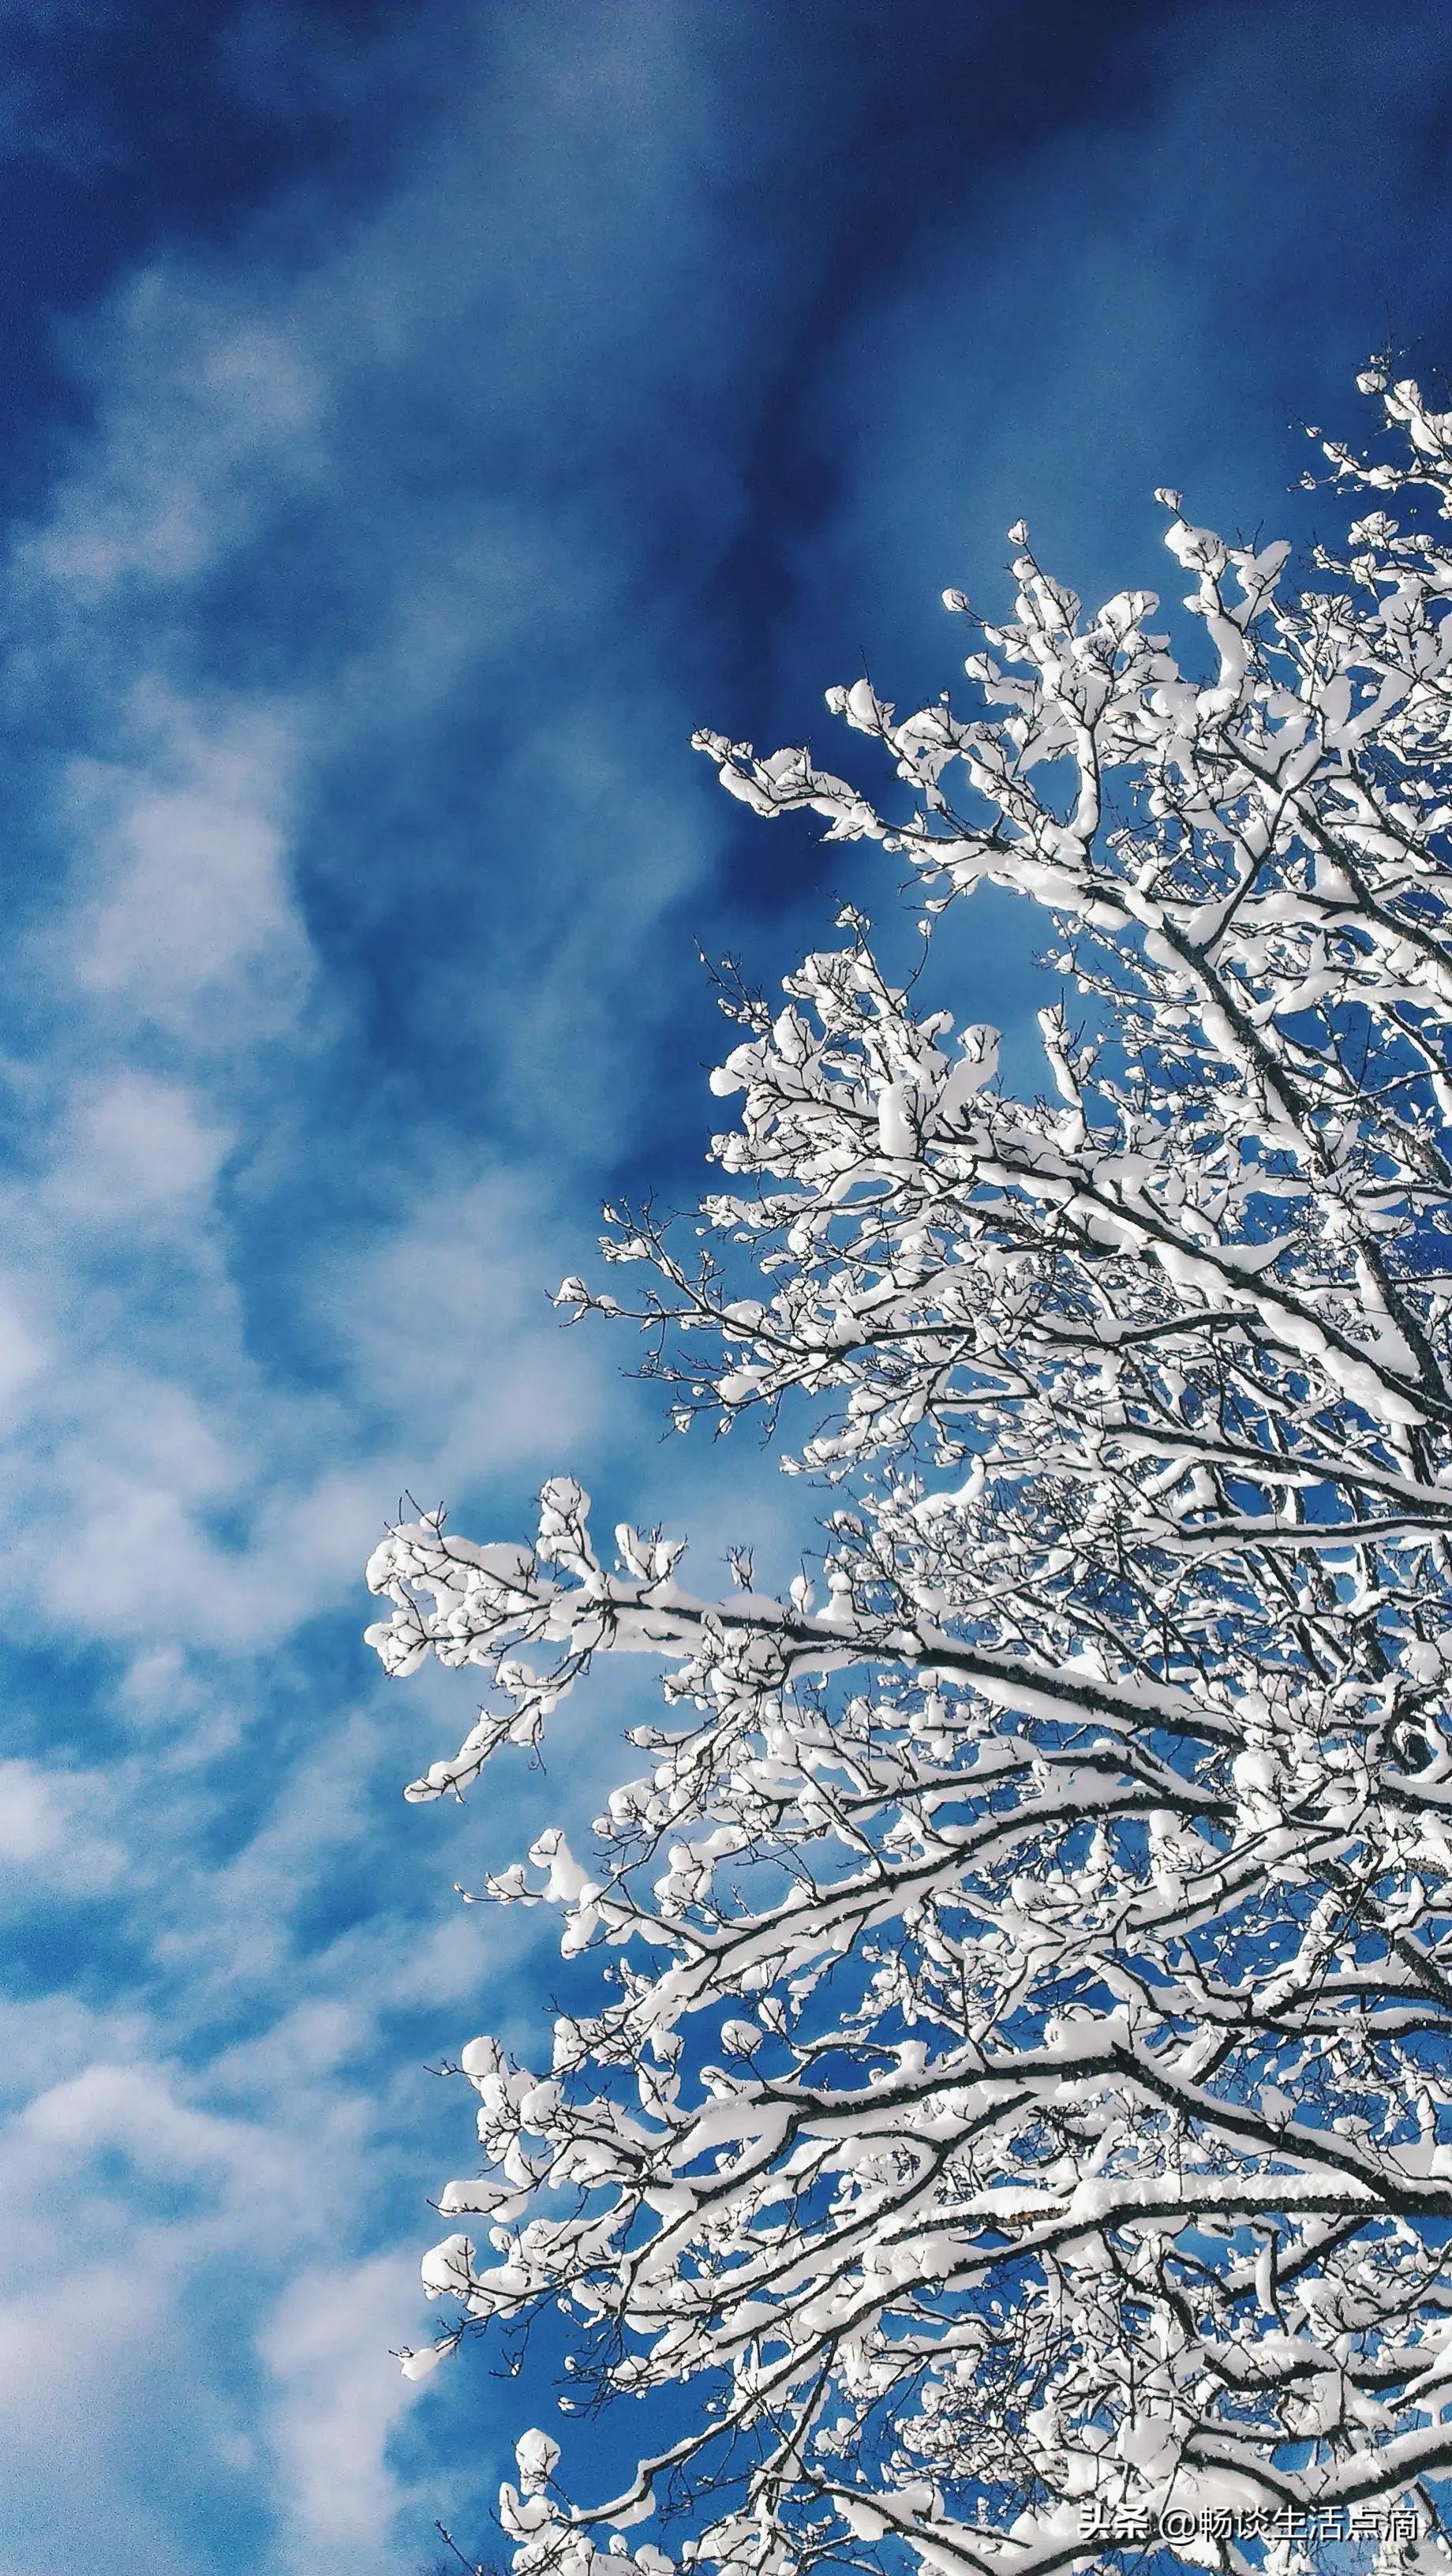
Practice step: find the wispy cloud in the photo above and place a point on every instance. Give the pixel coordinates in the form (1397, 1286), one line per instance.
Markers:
(320, 519)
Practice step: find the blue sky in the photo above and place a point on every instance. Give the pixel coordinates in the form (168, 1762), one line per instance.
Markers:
(417, 419)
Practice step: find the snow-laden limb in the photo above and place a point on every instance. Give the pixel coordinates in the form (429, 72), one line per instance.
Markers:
(1023, 2105)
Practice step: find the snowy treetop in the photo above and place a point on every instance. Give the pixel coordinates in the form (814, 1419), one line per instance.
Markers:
(1023, 2095)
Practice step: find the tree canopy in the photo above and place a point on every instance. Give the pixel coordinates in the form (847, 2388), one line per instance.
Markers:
(1021, 2110)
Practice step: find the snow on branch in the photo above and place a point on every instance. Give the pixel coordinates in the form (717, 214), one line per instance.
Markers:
(1020, 2109)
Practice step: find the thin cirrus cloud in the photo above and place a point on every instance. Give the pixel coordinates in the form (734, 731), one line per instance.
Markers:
(217, 1390)
(615, 373)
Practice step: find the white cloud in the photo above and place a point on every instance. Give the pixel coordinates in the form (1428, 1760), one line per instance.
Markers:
(22, 1351)
(447, 1318)
(248, 1299)
(136, 1145)
(211, 415)
(188, 912)
(47, 1829)
(339, 2396)
(139, 2224)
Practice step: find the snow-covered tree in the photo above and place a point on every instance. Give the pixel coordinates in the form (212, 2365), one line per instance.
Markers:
(1019, 2118)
